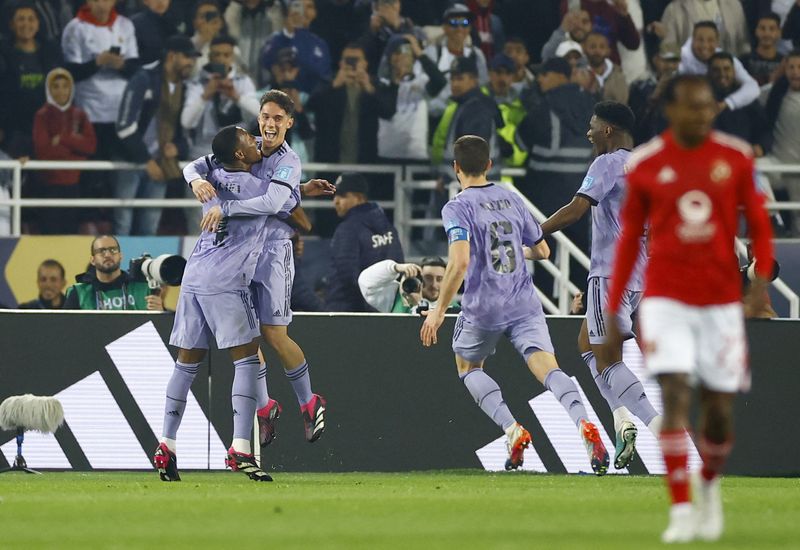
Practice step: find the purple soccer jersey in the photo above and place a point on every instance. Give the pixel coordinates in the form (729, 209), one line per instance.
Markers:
(498, 290)
(604, 187)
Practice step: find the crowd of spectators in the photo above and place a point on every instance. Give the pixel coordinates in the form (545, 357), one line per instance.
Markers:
(151, 81)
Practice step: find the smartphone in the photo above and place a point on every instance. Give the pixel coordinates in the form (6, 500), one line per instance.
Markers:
(115, 50)
(351, 61)
(216, 68)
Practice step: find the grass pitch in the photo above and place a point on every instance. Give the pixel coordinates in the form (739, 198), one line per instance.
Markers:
(454, 509)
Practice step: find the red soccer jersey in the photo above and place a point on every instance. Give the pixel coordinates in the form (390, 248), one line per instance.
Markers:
(690, 199)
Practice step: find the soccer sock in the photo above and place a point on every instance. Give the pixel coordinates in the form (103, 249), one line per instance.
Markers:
(486, 393)
(300, 379)
(629, 391)
(655, 425)
(262, 394)
(567, 394)
(714, 456)
(621, 413)
(243, 399)
(674, 447)
(177, 392)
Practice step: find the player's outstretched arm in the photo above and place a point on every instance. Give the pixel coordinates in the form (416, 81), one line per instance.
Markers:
(316, 188)
(268, 204)
(566, 215)
(457, 264)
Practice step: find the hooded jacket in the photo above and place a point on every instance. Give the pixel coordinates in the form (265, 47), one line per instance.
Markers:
(77, 139)
(363, 238)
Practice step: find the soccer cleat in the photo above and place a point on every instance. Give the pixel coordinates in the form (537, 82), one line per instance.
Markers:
(267, 417)
(518, 441)
(314, 417)
(246, 463)
(708, 508)
(626, 445)
(681, 525)
(598, 456)
(166, 463)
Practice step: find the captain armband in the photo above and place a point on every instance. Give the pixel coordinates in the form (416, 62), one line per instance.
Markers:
(457, 234)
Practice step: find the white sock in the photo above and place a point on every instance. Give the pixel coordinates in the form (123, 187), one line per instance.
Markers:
(655, 425)
(241, 446)
(170, 443)
(621, 415)
(510, 430)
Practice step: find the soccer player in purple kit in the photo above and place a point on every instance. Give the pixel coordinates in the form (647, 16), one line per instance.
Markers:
(603, 190)
(487, 228)
(272, 283)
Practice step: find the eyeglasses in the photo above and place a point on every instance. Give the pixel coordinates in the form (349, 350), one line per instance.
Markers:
(113, 250)
(458, 22)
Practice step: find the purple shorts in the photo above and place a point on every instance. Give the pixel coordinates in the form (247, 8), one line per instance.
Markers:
(272, 283)
(228, 317)
(475, 344)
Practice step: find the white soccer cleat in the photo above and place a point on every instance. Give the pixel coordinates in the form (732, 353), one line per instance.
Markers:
(681, 525)
(708, 506)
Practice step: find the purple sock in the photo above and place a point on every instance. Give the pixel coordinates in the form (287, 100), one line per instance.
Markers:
(605, 389)
(300, 379)
(262, 394)
(629, 391)
(243, 396)
(567, 394)
(177, 391)
(486, 393)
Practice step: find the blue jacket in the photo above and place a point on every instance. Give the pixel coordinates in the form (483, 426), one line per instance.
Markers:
(364, 237)
(136, 120)
(313, 56)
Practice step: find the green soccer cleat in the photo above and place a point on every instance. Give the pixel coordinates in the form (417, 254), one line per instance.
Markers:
(625, 449)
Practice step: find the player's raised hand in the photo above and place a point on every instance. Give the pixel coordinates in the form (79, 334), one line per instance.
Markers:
(203, 190)
(211, 219)
(433, 320)
(317, 187)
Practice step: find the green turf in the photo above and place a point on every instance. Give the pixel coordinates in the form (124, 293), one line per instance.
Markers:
(456, 509)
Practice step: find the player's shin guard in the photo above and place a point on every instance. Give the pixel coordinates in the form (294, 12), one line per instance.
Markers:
(629, 391)
(243, 398)
(674, 446)
(177, 392)
(486, 393)
(714, 456)
(567, 394)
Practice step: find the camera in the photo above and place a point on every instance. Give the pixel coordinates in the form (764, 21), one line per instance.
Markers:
(411, 285)
(166, 269)
(216, 68)
(351, 61)
(115, 50)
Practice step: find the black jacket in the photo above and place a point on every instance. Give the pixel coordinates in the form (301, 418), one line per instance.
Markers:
(152, 30)
(364, 237)
(40, 303)
(749, 123)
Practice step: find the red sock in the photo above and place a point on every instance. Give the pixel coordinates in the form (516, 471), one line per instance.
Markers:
(714, 456)
(674, 448)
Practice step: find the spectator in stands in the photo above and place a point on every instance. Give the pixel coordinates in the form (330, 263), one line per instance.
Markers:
(100, 51)
(252, 22)
(149, 125)
(221, 95)
(153, 25)
(106, 286)
(470, 112)
(576, 26)
(61, 131)
(748, 122)
(207, 25)
(791, 27)
(764, 61)
(696, 54)
(303, 296)
(51, 280)
(524, 78)
(554, 134)
(364, 237)
(611, 19)
(384, 23)
(340, 22)
(392, 287)
(408, 78)
(783, 114)
(457, 25)
(681, 16)
(645, 94)
(346, 112)
(487, 27)
(25, 60)
(284, 74)
(609, 81)
(53, 17)
(313, 56)
(507, 98)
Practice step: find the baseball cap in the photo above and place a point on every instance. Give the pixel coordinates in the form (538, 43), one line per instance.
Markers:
(351, 182)
(502, 61)
(456, 10)
(181, 44)
(669, 50)
(464, 65)
(555, 65)
(568, 46)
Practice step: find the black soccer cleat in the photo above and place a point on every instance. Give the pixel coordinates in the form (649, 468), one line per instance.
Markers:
(166, 463)
(314, 417)
(246, 463)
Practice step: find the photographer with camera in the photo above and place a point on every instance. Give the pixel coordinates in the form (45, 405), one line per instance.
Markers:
(106, 286)
(392, 287)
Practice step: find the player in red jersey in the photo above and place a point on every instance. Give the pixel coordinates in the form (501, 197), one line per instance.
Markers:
(688, 186)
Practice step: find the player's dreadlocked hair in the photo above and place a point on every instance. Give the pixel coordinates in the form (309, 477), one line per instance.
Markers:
(279, 98)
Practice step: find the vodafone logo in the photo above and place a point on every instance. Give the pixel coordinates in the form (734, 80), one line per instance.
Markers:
(694, 208)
